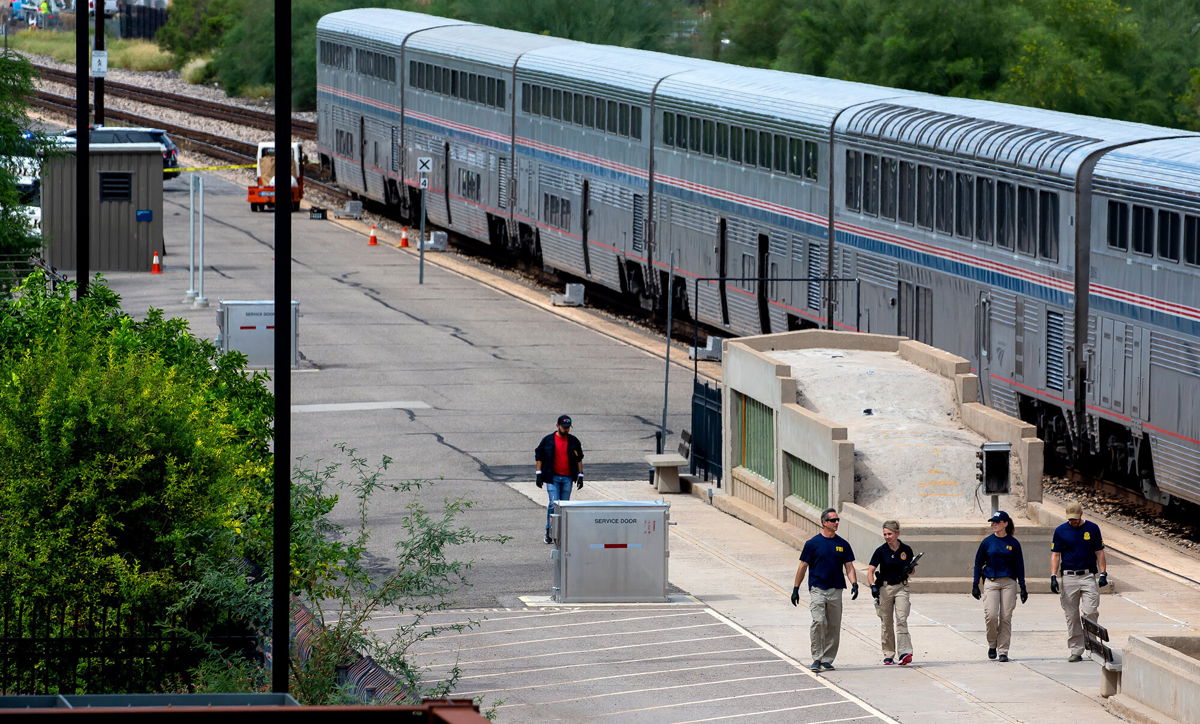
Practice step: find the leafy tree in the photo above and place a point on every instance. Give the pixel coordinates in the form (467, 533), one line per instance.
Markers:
(642, 24)
(196, 27)
(16, 84)
(126, 447)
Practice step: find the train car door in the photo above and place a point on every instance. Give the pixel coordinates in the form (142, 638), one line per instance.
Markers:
(763, 286)
(915, 310)
(584, 224)
(1112, 362)
(723, 266)
(446, 181)
(983, 340)
(362, 150)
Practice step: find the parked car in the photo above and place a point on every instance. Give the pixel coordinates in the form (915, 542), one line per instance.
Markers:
(111, 8)
(112, 134)
(29, 186)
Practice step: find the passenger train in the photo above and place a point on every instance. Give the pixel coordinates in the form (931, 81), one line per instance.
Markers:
(1060, 253)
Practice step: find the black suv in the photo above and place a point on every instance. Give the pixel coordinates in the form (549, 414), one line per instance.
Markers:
(111, 134)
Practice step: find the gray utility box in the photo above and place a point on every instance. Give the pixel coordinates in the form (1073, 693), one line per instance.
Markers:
(610, 551)
(249, 328)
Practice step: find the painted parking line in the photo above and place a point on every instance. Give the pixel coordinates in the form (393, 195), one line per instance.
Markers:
(712, 700)
(561, 667)
(654, 689)
(604, 634)
(544, 627)
(609, 664)
(526, 657)
(359, 406)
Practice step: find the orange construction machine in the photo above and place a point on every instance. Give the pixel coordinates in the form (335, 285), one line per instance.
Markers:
(262, 195)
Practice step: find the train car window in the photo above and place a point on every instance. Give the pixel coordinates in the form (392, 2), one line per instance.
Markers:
(536, 101)
(1143, 229)
(751, 147)
(456, 84)
(681, 131)
(694, 139)
(887, 187)
(613, 113)
(491, 92)
(601, 114)
(964, 199)
(501, 93)
(748, 273)
(723, 140)
(589, 112)
(578, 104)
(1168, 235)
(418, 76)
(565, 214)
(437, 79)
(925, 197)
(557, 107)
(412, 73)
(1191, 239)
(624, 119)
(1048, 225)
(907, 209)
(781, 151)
(812, 155)
(1006, 214)
(944, 212)
(668, 126)
(635, 121)
(710, 138)
(985, 209)
(853, 181)
(547, 102)
(795, 156)
(1026, 219)
(870, 184)
(1118, 225)
(764, 149)
(735, 143)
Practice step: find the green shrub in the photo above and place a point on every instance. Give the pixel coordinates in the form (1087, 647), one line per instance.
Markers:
(197, 71)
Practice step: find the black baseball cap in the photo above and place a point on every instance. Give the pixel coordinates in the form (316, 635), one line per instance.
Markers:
(999, 517)
(564, 420)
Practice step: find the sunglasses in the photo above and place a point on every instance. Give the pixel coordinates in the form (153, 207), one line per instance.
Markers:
(833, 520)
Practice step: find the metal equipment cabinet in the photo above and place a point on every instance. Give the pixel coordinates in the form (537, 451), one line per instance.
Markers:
(249, 328)
(610, 551)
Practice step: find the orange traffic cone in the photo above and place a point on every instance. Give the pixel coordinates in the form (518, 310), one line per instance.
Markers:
(372, 241)
(403, 239)
(156, 265)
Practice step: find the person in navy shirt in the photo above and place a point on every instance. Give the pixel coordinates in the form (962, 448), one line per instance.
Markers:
(825, 557)
(1079, 549)
(887, 575)
(1000, 564)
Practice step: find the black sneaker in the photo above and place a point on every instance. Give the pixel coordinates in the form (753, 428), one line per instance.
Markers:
(991, 653)
(827, 665)
(905, 659)
(1003, 658)
(549, 539)
(816, 667)
(888, 661)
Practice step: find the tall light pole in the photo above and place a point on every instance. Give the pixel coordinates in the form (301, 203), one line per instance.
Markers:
(281, 589)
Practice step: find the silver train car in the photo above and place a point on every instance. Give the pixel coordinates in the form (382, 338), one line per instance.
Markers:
(1059, 253)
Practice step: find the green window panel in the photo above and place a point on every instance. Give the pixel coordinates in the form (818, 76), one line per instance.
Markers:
(757, 449)
(807, 482)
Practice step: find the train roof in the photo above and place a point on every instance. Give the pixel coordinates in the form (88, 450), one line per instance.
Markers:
(390, 27)
(1171, 164)
(807, 99)
(482, 43)
(627, 68)
(1030, 138)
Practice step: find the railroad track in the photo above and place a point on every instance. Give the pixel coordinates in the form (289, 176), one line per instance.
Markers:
(210, 109)
(221, 148)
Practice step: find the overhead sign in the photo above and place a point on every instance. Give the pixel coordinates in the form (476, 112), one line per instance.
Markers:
(425, 164)
(99, 63)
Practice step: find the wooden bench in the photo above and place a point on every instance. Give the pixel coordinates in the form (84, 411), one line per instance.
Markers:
(1095, 640)
(666, 466)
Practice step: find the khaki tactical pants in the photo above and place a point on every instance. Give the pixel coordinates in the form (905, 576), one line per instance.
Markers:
(893, 611)
(825, 633)
(1080, 596)
(999, 600)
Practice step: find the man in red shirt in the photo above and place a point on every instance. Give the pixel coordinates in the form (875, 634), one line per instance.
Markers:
(559, 454)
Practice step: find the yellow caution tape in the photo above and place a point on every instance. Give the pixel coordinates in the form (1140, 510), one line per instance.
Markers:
(216, 168)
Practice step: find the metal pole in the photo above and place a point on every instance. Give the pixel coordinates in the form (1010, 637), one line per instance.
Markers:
(83, 162)
(281, 589)
(190, 295)
(98, 82)
(421, 243)
(201, 300)
(670, 328)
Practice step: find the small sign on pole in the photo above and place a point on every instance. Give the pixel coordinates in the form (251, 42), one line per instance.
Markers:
(424, 164)
(99, 63)
(424, 182)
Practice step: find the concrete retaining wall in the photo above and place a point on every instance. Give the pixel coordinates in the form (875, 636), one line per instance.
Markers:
(950, 547)
(1160, 679)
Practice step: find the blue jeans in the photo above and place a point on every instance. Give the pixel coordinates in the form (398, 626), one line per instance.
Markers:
(558, 488)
